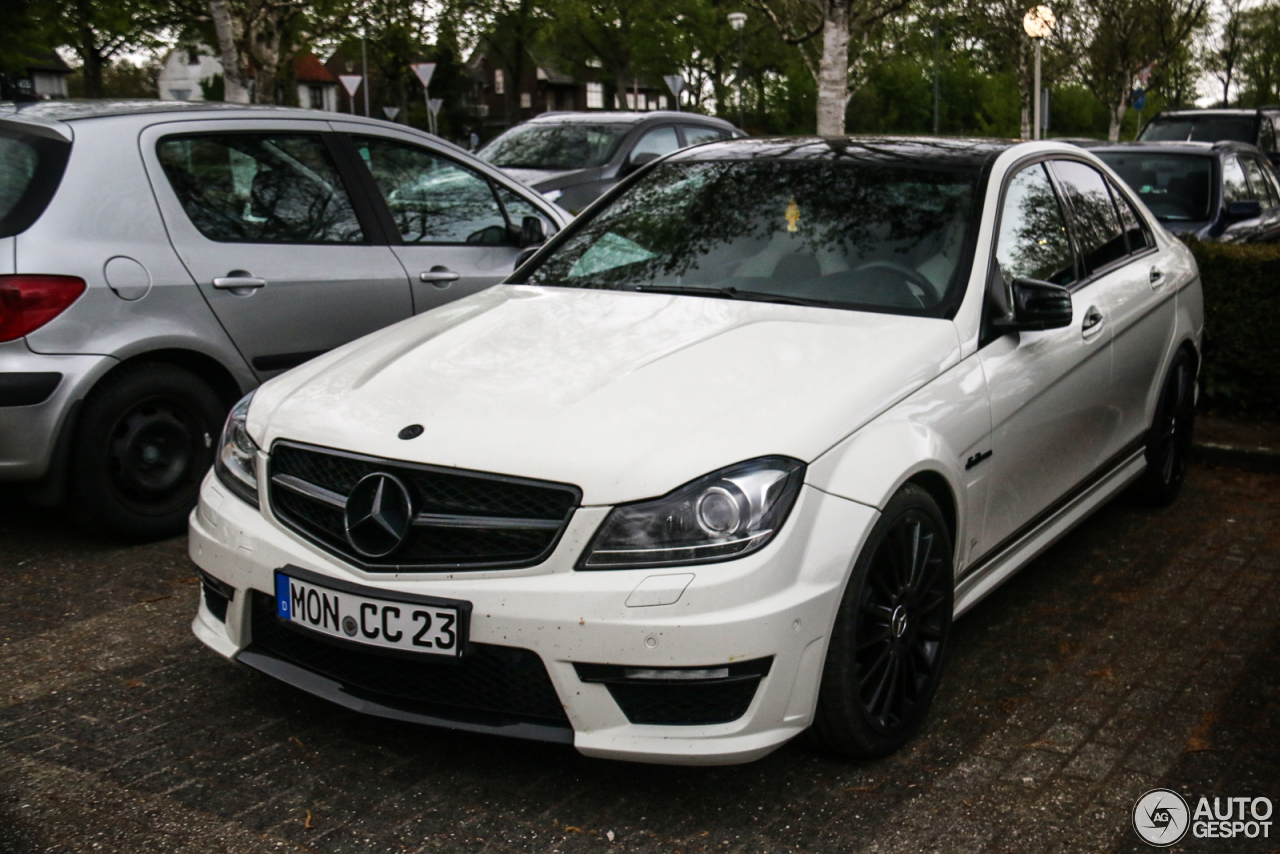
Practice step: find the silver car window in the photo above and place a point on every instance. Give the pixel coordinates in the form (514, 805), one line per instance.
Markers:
(432, 198)
(658, 141)
(1033, 241)
(694, 135)
(260, 188)
(1261, 189)
(1134, 230)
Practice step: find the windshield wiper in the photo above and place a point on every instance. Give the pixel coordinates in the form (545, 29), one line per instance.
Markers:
(735, 293)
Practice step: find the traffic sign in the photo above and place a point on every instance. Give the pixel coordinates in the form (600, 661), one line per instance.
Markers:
(424, 70)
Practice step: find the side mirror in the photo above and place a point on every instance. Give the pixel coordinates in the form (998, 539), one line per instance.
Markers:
(638, 160)
(1036, 306)
(532, 232)
(1247, 209)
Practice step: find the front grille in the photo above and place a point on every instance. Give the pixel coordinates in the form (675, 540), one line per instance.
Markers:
(467, 520)
(489, 682)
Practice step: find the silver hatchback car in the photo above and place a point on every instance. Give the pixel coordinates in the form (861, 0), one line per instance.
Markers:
(159, 260)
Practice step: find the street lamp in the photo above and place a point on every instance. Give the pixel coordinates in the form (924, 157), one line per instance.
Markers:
(738, 20)
(1039, 23)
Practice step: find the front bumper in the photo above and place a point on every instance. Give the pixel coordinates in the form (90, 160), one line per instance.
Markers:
(32, 414)
(778, 603)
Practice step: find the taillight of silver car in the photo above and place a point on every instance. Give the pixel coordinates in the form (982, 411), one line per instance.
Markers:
(29, 302)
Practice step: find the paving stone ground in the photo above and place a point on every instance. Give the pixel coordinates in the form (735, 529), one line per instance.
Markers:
(1141, 651)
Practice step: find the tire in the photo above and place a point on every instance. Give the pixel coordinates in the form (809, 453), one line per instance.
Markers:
(1172, 429)
(889, 641)
(146, 438)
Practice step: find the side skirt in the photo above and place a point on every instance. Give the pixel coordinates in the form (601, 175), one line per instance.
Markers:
(990, 572)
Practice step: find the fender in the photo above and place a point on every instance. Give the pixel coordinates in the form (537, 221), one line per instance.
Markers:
(934, 432)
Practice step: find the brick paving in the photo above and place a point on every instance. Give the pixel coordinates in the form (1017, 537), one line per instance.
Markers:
(1141, 651)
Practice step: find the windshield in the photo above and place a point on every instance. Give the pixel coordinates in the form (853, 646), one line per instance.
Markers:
(1176, 187)
(848, 235)
(567, 146)
(1201, 129)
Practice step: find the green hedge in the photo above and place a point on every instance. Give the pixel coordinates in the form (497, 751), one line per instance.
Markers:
(1241, 372)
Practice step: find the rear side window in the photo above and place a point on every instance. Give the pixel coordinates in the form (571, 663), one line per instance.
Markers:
(432, 198)
(1135, 232)
(260, 188)
(1092, 212)
(30, 168)
(1261, 189)
(694, 135)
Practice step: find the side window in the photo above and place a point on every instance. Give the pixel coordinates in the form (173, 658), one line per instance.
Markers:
(1092, 213)
(1258, 183)
(1267, 134)
(694, 135)
(432, 198)
(1234, 186)
(1033, 240)
(1135, 233)
(658, 141)
(260, 188)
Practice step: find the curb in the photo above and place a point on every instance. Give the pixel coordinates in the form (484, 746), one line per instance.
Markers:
(1255, 459)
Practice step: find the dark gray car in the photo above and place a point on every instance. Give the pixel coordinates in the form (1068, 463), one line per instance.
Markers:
(573, 158)
(1254, 127)
(158, 260)
(1225, 191)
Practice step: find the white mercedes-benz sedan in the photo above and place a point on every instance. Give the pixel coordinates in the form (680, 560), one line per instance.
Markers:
(720, 463)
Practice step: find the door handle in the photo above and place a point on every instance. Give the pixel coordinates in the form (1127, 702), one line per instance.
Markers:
(235, 283)
(439, 276)
(1093, 321)
(1157, 276)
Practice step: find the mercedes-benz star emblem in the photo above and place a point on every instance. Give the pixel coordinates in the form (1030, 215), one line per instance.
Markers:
(378, 514)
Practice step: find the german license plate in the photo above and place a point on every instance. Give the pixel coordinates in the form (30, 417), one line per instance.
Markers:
(413, 624)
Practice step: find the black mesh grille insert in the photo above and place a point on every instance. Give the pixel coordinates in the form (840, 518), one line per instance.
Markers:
(433, 490)
(685, 704)
(489, 681)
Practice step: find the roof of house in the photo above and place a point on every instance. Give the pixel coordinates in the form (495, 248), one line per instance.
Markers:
(307, 68)
(47, 61)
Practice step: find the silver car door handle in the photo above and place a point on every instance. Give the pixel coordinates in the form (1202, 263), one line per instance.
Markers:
(439, 276)
(1157, 275)
(1093, 320)
(226, 283)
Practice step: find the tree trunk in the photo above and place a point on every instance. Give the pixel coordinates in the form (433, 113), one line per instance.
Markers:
(833, 69)
(267, 61)
(1117, 116)
(92, 65)
(235, 91)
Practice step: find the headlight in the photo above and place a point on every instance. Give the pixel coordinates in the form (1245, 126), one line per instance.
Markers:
(236, 464)
(725, 515)
(552, 195)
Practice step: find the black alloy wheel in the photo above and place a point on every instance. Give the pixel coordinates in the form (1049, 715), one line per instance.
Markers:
(145, 441)
(889, 642)
(1172, 429)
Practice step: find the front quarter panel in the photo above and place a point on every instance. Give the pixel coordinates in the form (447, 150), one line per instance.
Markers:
(933, 431)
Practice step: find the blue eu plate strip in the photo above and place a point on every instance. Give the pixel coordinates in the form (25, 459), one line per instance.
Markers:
(282, 595)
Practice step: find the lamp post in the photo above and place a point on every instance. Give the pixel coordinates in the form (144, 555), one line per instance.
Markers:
(1039, 23)
(738, 20)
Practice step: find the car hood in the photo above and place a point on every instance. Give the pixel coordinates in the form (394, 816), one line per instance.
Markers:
(543, 180)
(626, 395)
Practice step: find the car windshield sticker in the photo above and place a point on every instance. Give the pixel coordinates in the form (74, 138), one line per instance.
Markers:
(793, 214)
(612, 250)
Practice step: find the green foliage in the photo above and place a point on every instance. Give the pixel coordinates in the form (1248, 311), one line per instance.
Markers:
(1241, 371)
(121, 80)
(215, 88)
